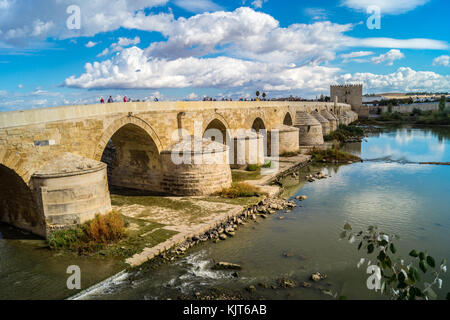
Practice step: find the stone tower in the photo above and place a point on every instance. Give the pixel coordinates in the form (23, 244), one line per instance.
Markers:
(352, 95)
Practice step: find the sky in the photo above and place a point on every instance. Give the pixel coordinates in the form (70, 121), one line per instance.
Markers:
(63, 52)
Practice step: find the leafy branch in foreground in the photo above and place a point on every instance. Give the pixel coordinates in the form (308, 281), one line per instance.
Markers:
(399, 279)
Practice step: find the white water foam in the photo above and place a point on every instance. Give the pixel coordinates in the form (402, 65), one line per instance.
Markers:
(102, 287)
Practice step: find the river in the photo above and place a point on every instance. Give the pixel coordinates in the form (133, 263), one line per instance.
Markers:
(389, 189)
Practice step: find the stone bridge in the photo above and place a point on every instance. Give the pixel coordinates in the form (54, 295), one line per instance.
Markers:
(56, 163)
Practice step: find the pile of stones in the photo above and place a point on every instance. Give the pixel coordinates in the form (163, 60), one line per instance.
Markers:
(317, 176)
(228, 228)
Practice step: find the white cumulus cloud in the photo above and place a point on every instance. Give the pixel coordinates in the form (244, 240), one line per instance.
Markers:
(131, 68)
(388, 57)
(248, 34)
(258, 3)
(443, 60)
(22, 20)
(119, 45)
(90, 44)
(403, 80)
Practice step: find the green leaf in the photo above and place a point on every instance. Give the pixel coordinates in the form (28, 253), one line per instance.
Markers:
(416, 274)
(411, 274)
(430, 261)
(401, 277)
(370, 248)
(422, 266)
(393, 248)
(413, 253)
(422, 255)
(347, 227)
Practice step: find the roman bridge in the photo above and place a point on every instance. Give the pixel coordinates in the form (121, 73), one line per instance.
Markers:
(56, 163)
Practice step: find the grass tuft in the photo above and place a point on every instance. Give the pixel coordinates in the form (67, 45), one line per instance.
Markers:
(91, 236)
(344, 133)
(239, 190)
(332, 154)
(289, 154)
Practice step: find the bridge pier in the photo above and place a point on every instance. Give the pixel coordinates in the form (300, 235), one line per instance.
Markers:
(70, 190)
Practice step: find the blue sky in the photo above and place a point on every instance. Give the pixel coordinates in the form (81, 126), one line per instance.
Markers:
(185, 49)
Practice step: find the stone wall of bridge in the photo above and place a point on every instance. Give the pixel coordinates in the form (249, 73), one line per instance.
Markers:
(137, 132)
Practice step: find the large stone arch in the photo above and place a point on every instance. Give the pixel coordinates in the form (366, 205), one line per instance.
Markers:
(215, 125)
(288, 121)
(116, 125)
(132, 153)
(18, 205)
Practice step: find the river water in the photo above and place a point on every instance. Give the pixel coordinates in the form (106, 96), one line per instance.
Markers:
(389, 190)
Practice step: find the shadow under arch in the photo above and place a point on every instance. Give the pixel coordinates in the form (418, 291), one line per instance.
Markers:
(133, 158)
(287, 119)
(212, 131)
(18, 206)
(258, 124)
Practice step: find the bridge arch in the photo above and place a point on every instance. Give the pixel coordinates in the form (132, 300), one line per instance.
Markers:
(116, 125)
(258, 124)
(287, 119)
(18, 206)
(131, 149)
(212, 131)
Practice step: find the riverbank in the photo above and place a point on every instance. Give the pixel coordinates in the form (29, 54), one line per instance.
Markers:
(388, 190)
(194, 220)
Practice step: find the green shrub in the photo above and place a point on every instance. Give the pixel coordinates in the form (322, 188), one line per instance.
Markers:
(267, 164)
(252, 167)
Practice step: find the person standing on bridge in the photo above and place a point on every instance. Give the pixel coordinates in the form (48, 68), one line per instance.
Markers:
(110, 99)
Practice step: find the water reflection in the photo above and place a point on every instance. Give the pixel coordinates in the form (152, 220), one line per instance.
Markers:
(409, 145)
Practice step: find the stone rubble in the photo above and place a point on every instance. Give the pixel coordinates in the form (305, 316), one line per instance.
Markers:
(227, 229)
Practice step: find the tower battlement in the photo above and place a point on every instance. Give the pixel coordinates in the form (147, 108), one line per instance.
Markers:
(349, 85)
